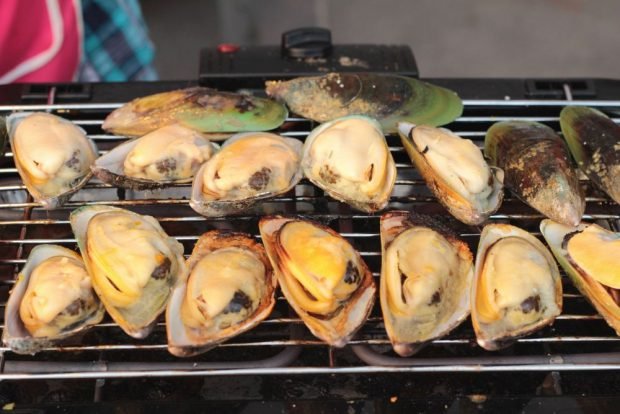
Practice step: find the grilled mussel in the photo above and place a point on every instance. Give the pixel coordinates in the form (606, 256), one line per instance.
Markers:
(388, 98)
(230, 289)
(321, 275)
(349, 159)
(537, 168)
(167, 156)
(52, 300)
(517, 288)
(589, 255)
(594, 141)
(426, 276)
(201, 109)
(249, 167)
(455, 171)
(52, 155)
(133, 263)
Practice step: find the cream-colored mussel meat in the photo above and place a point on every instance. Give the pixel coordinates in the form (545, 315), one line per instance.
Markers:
(321, 275)
(349, 158)
(59, 295)
(170, 153)
(426, 276)
(249, 167)
(52, 155)
(455, 170)
(133, 262)
(517, 289)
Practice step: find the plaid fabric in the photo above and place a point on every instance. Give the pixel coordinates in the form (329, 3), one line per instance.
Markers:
(116, 42)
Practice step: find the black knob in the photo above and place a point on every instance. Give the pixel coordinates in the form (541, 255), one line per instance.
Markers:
(307, 42)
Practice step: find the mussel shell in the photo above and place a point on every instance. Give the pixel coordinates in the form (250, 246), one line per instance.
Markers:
(402, 332)
(594, 140)
(465, 210)
(340, 328)
(491, 234)
(224, 207)
(137, 325)
(109, 169)
(202, 109)
(555, 234)
(537, 168)
(47, 201)
(15, 335)
(183, 344)
(368, 205)
(388, 98)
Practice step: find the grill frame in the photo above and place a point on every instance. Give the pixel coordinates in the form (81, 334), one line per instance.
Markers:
(364, 348)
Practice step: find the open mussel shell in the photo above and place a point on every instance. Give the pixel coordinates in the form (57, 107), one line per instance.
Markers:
(426, 276)
(229, 290)
(517, 287)
(537, 168)
(53, 156)
(594, 141)
(321, 275)
(249, 167)
(388, 98)
(455, 171)
(349, 159)
(588, 254)
(16, 335)
(133, 263)
(198, 108)
(175, 155)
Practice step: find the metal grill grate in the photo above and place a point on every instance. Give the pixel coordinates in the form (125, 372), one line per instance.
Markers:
(578, 340)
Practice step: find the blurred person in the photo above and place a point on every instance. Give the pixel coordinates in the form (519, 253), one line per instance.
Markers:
(73, 40)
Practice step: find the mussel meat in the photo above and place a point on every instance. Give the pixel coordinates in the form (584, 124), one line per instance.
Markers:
(426, 276)
(321, 275)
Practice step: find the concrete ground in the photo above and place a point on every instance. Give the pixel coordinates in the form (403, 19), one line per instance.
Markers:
(450, 38)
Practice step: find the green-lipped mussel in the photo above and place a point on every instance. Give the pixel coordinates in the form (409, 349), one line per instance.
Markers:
(537, 168)
(230, 289)
(426, 276)
(52, 300)
(388, 98)
(594, 141)
(52, 155)
(201, 109)
(590, 256)
(349, 159)
(321, 275)
(456, 172)
(133, 263)
(517, 287)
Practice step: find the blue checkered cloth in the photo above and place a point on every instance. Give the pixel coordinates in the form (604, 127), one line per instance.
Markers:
(117, 46)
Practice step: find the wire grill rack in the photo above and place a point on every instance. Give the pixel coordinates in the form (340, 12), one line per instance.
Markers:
(578, 340)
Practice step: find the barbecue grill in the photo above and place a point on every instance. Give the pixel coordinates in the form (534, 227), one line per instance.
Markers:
(281, 346)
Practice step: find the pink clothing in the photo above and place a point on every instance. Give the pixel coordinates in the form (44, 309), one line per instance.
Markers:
(40, 40)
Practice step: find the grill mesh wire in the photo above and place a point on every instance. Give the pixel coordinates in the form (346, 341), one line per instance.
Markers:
(579, 339)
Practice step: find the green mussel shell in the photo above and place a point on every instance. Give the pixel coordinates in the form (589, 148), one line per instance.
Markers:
(202, 109)
(537, 168)
(594, 140)
(388, 98)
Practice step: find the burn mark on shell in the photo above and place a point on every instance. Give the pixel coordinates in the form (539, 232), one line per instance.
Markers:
(217, 175)
(530, 304)
(370, 172)
(74, 161)
(163, 270)
(244, 104)
(166, 166)
(260, 179)
(239, 302)
(327, 175)
(425, 150)
(352, 274)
